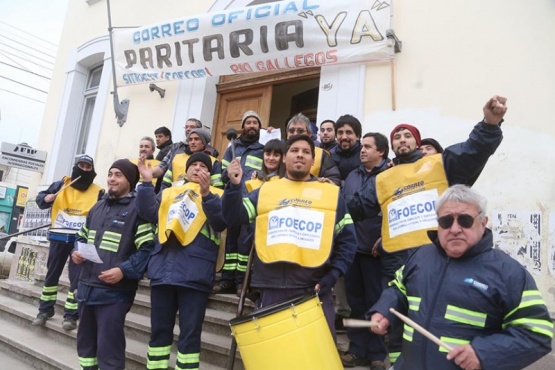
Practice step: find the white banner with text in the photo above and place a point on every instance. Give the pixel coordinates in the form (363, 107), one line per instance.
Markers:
(268, 37)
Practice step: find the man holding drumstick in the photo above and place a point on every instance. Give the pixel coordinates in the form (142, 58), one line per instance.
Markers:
(304, 236)
(476, 299)
(405, 194)
(70, 199)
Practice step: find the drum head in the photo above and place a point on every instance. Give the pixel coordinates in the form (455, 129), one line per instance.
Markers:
(63, 231)
(271, 309)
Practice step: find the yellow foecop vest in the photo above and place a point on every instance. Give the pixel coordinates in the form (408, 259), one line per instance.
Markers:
(315, 169)
(179, 163)
(71, 206)
(150, 163)
(409, 210)
(181, 212)
(295, 222)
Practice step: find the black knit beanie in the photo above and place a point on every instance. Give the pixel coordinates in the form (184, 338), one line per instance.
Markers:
(199, 157)
(129, 170)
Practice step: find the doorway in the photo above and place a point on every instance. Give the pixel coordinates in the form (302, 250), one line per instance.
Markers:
(274, 96)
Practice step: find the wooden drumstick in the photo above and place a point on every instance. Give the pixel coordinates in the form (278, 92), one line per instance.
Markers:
(65, 186)
(354, 323)
(421, 330)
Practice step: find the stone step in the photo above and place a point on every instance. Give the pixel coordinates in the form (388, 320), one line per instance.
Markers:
(40, 354)
(24, 296)
(220, 302)
(215, 321)
(20, 314)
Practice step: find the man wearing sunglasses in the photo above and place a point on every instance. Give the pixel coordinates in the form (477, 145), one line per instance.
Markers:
(406, 194)
(478, 300)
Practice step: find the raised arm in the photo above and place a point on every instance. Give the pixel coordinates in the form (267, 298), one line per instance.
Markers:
(463, 162)
(46, 198)
(148, 202)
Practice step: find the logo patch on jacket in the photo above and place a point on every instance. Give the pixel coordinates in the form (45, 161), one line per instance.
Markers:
(476, 284)
(118, 223)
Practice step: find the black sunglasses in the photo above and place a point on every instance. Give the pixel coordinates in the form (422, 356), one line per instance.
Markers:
(465, 221)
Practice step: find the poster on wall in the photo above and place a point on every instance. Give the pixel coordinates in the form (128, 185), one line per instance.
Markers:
(519, 234)
(551, 246)
(265, 37)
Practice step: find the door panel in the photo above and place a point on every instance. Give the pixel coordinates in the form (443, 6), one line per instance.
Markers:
(232, 105)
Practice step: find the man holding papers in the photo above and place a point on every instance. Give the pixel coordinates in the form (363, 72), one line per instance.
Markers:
(106, 290)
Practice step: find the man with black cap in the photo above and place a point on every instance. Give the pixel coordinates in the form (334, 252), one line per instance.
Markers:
(70, 200)
(406, 194)
(163, 137)
(251, 154)
(182, 267)
(198, 140)
(106, 290)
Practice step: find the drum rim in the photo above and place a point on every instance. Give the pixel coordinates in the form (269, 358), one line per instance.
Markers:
(273, 308)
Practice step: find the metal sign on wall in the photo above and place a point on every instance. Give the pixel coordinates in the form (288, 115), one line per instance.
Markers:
(266, 37)
(22, 156)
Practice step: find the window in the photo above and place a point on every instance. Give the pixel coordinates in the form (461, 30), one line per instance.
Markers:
(91, 90)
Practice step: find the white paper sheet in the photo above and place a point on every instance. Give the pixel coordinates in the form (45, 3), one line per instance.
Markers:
(88, 251)
(266, 136)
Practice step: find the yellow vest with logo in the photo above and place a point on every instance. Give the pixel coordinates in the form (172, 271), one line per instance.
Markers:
(71, 206)
(407, 195)
(179, 163)
(150, 163)
(315, 169)
(181, 212)
(295, 222)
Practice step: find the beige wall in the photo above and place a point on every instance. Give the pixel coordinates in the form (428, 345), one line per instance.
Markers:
(455, 56)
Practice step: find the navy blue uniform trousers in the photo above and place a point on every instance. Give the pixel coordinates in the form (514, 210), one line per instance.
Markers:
(363, 285)
(58, 254)
(166, 300)
(101, 336)
(238, 245)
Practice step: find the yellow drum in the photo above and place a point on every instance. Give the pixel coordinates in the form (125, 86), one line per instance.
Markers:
(286, 336)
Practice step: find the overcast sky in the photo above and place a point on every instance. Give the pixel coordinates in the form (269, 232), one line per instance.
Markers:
(29, 34)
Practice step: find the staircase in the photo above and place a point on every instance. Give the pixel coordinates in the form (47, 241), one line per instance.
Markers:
(51, 347)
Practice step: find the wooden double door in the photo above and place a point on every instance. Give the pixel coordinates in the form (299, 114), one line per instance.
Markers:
(238, 94)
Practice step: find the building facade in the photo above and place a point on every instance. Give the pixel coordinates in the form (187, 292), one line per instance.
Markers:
(454, 57)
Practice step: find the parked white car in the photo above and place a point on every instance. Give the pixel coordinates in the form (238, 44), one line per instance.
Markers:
(7, 250)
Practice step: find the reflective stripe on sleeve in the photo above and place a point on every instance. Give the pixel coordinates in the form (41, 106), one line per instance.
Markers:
(414, 302)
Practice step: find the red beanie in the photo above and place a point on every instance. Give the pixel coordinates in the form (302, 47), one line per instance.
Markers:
(413, 130)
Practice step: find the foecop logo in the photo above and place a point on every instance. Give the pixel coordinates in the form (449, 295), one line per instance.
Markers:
(274, 222)
(393, 215)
